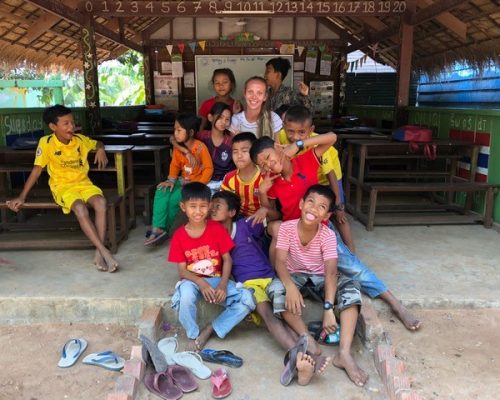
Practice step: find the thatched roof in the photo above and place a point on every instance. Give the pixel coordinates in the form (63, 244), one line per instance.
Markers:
(45, 33)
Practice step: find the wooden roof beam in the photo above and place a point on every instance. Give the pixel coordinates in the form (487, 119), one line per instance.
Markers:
(448, 20)
(78, 18)
(42, 24)
(155, 26)
(416, 19)
(341, 33)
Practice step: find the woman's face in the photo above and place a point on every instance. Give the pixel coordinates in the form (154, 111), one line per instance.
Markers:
(255, 94)
(222, 85)
(180, 134)
(223, 121)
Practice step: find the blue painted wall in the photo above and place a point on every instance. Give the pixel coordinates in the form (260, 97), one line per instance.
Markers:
(463, 87)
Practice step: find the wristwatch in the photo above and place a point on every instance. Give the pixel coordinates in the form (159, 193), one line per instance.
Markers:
(300, 144)
(340, 207)
(327, 306)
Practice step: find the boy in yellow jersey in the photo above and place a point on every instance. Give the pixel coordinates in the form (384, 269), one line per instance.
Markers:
(64, 153)
(297, 126)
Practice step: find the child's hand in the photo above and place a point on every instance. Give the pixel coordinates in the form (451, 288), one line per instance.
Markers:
(220, 293)
(100, 158)
(329, 322)
(267, 182)
(236, 107)
(165, 185)
(208, 292)
(259, 217)
(288, 151)
(294, 300)
(340, 216)
(303, 89)
(15, 204)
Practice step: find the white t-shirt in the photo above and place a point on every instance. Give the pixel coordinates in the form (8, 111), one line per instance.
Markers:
(239, 123)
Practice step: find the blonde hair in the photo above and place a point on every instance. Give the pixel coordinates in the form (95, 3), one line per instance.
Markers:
(265, 121)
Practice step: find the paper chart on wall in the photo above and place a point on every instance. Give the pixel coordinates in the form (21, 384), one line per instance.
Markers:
(311, 61)
(177, 69)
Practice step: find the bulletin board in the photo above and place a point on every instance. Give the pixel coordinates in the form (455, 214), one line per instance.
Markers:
(243, 67)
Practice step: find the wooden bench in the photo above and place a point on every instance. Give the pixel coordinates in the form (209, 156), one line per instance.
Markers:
(114, 235)
(409, 218)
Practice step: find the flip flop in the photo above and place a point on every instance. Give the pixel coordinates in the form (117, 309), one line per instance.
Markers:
(182, 377)
(221, 385)
(193, 362)
(290, 360)
(155, 355)
(168, 346)
(71, 351)
(156, 238)
(105, 359)
(162, 385)
(224, 357)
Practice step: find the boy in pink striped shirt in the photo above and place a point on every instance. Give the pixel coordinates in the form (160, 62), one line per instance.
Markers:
(306, 264)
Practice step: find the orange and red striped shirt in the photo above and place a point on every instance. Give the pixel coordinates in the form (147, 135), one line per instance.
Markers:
(248, 191)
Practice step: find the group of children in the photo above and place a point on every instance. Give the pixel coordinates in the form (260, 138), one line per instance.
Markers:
(274, 194)
(255, 211)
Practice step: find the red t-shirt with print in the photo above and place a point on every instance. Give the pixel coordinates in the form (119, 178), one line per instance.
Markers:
(203, 255)
(288, 193)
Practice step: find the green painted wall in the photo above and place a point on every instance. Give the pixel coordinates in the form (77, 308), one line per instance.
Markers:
(442, 120)
(21, 120)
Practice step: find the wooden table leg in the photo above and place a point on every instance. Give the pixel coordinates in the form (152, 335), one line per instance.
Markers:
(158, 172)
(371, 210)
(361, 179)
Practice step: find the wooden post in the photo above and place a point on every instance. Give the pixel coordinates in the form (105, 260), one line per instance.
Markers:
(404, 67)
(90, 79)
(148, 82)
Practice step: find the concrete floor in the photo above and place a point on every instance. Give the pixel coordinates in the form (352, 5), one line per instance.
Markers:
(429, 267)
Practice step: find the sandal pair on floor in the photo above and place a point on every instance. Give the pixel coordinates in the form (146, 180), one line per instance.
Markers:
(74, 348)
(155, 238)
(171, 384)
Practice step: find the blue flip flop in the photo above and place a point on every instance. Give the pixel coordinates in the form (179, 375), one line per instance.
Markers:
(224, 357)
(105, 359)
(71, 351)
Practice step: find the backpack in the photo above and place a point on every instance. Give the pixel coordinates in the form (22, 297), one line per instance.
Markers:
(415, 135)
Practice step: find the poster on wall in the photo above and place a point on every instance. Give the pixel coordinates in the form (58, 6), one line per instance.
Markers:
(177, 69)
(167, 92)
(321, 93)
(311, 61)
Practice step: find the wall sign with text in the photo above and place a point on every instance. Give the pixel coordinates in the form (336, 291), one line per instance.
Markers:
(309, 8)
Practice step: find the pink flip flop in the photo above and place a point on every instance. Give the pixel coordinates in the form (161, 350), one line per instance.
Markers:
(162, 385)
(221, 386)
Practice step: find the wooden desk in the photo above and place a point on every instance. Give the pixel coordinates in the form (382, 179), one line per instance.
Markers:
(383, 151)
(161, 159)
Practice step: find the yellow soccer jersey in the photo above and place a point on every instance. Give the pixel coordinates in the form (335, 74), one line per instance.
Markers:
(330, 160)
(66, 163)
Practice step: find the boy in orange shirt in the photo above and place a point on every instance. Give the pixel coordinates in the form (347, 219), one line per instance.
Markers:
(182, 170)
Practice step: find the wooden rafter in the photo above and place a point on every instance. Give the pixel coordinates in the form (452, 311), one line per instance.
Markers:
(78, 18)
(42, 24)
(448, 20)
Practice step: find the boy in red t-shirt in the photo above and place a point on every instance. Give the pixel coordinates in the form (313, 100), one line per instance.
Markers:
(201, 250)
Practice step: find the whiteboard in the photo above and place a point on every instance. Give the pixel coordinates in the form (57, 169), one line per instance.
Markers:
(243, 67)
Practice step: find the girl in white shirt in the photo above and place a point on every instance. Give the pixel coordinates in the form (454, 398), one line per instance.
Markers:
(255, 118)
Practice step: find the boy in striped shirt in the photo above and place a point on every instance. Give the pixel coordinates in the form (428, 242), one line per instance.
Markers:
(306, 264)
(244, 181)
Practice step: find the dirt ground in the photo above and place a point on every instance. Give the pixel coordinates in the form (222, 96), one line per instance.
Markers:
(30, 354)
(456, 355)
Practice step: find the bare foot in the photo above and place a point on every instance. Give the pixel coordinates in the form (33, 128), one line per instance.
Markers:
(407, 318)
(111, 263)
(199, 343)
(99, 262)
(305, 368)
(313, 346)
(321, 363)
(193, 345)
(346, 362)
